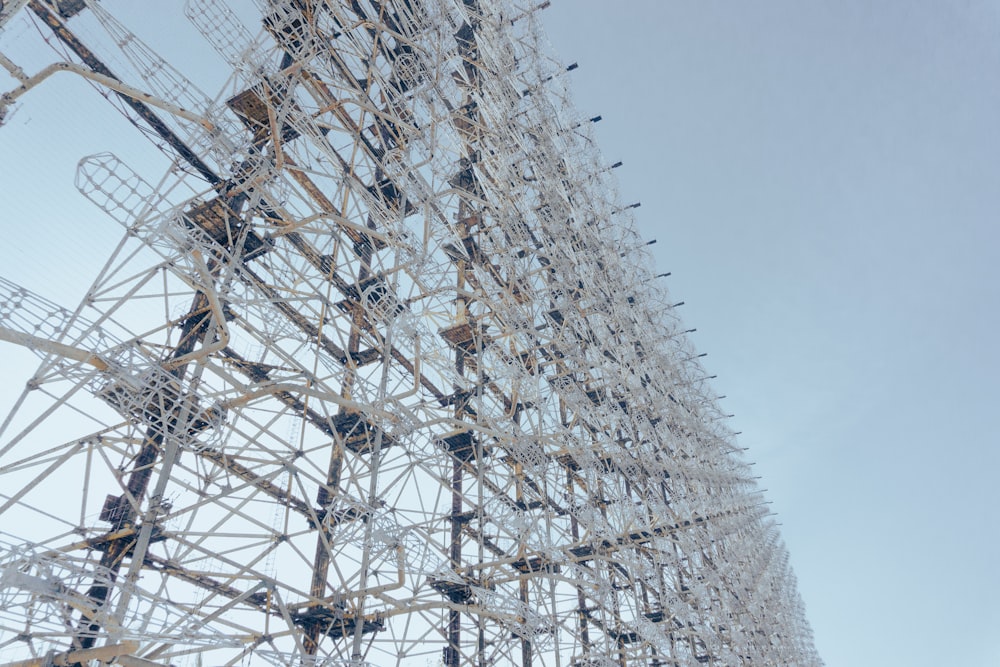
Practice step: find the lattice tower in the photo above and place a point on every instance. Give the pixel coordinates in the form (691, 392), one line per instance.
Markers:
(378, 374)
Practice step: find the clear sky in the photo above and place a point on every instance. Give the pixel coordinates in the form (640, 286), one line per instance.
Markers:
(823, 180)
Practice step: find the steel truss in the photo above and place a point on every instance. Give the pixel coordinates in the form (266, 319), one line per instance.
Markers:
(379, 374)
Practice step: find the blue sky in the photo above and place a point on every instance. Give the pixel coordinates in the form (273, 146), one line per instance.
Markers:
(823, 179)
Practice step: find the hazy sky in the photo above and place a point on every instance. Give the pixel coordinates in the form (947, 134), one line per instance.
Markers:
(823, 179)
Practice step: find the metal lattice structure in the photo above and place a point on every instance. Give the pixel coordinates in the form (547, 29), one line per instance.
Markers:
(378, 374)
